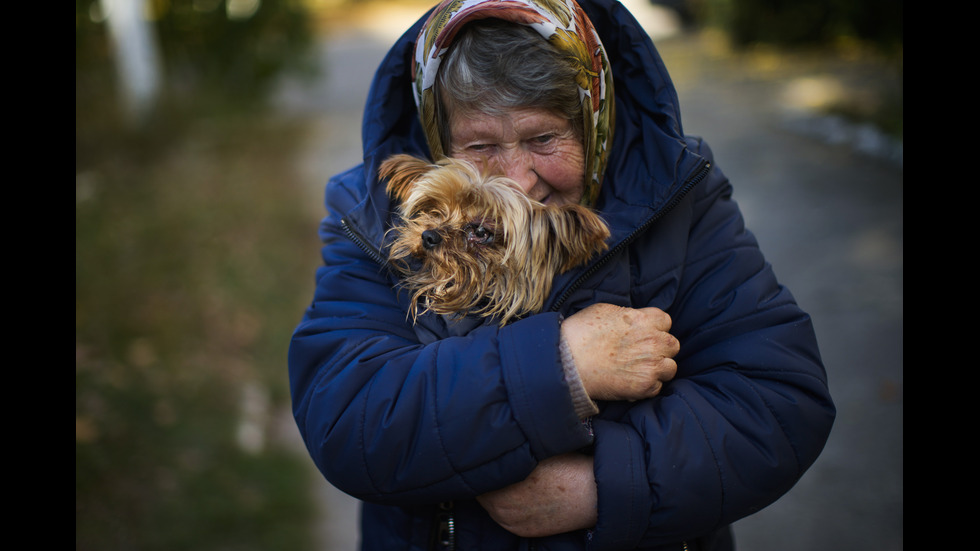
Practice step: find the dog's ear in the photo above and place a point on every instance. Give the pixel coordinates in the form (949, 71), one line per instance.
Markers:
(401, 171)
(594, 228)
(580, 234)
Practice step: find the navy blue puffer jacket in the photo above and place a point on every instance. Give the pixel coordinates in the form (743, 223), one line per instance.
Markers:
(418, 420)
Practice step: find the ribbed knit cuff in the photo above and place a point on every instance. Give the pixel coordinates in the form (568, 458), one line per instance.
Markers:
(584, 406)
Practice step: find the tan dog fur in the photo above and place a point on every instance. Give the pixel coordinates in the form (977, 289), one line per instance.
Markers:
(486, 248)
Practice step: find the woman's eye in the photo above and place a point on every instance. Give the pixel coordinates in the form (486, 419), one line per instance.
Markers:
(543, 143)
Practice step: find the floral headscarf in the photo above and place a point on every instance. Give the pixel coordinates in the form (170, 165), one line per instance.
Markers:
(564, 25)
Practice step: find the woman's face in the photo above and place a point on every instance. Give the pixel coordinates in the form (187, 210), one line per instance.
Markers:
(534, 147)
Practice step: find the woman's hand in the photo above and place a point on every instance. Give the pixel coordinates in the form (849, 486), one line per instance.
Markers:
(558, 496)
(621, 353)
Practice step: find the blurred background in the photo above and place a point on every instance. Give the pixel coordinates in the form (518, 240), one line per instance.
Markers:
(204, 132)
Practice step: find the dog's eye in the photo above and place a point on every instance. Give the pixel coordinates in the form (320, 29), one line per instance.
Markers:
(478, 234)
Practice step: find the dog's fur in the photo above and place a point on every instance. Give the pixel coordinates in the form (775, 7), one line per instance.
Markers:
(485, 247)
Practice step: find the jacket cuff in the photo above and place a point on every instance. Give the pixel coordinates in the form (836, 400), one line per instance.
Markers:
(584, 406)
(537, 389)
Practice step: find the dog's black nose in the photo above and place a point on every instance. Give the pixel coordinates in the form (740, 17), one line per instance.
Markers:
(430, 238)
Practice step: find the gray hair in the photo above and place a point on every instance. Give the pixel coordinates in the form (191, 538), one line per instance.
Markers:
(494, 66)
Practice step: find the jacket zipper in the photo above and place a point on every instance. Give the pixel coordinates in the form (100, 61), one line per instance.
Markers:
(693, 181)
(362, 243)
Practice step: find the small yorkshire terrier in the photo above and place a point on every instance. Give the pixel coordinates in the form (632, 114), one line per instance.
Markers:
(485, 247)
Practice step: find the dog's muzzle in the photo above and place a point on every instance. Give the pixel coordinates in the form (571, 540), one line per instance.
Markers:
(430, 239)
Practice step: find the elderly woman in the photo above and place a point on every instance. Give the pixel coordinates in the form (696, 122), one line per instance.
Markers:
(669, 387)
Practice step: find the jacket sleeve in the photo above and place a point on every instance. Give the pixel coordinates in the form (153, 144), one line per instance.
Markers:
(389, 420)
(748, 411)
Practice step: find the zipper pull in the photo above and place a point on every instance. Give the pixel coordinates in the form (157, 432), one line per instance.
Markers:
(445, 527)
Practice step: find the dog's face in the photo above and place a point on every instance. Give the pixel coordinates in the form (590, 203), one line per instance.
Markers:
(485, 247)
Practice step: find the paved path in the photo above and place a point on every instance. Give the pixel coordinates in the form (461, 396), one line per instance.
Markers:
(829, 218)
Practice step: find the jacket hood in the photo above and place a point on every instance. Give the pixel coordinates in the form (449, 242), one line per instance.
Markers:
(646, 165)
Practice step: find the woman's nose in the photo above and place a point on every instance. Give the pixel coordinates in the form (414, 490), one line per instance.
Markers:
(518, 165)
